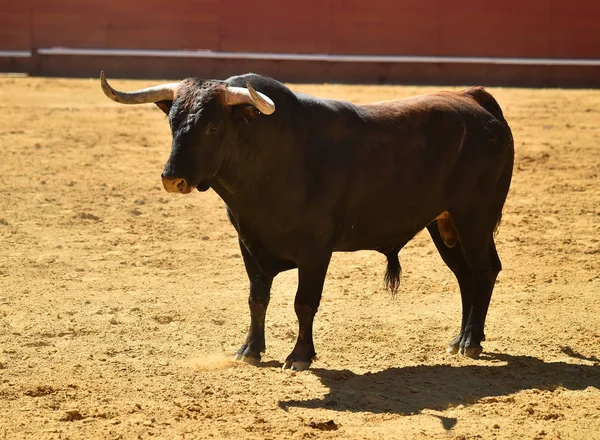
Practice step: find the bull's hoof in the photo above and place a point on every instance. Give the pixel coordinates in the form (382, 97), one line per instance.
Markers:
(471, 351)
(248, 355)
(296, 365)
(452, 348)
(454, 345)
(465, 345)
(247, 359)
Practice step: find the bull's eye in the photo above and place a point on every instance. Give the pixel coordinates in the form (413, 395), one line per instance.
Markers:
(212, 128)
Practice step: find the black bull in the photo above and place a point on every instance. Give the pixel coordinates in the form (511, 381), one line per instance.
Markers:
(318, 176)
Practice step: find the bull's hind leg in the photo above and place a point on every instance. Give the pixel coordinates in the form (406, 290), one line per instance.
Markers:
(483, 260)
(476, 239)
(260, 293)
(454, 259)
(476, 265)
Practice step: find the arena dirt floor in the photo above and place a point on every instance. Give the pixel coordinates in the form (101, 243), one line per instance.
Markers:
(121, 306)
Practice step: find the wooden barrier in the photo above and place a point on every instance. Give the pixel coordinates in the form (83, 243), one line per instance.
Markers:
(548, 29)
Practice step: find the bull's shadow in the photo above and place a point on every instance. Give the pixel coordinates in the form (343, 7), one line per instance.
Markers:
(409, 390)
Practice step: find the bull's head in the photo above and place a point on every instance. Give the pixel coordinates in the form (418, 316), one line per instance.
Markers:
(205, 118)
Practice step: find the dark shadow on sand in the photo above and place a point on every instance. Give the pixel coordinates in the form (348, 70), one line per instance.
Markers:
(409, 390)
(271, 364)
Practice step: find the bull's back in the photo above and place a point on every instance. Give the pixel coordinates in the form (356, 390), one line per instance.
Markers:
(485, 100)
(406, 160)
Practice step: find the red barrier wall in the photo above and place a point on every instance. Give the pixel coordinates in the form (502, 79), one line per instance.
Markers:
(461, 28)
(15, 25)
(508, 28)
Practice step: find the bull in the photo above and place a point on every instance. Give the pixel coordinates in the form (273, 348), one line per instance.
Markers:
(303, 177)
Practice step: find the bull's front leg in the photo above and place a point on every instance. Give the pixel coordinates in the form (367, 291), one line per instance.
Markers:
(260, 293)
(312, 268)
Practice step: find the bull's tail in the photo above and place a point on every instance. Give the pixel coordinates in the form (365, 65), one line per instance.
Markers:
(504, 183)
(393, 272)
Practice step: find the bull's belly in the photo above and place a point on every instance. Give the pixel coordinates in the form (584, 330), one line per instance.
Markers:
(372, 235)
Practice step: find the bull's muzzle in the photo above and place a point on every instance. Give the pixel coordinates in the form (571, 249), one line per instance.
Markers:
(176, 185)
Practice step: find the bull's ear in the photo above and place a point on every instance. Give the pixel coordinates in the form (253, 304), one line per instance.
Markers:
(165, 106)
(244, 113)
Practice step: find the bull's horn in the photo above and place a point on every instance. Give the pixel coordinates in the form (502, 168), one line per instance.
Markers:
(240, 95)
(163, 92)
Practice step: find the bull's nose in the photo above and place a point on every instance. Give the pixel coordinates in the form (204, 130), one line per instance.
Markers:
(176, 185)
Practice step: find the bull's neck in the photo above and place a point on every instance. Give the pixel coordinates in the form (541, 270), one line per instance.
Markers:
(260, 173)
(252, 176)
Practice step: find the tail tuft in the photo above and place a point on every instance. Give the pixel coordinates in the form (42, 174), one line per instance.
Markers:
(392, 273)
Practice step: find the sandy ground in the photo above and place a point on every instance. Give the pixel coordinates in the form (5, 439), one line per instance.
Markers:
(121, 306)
